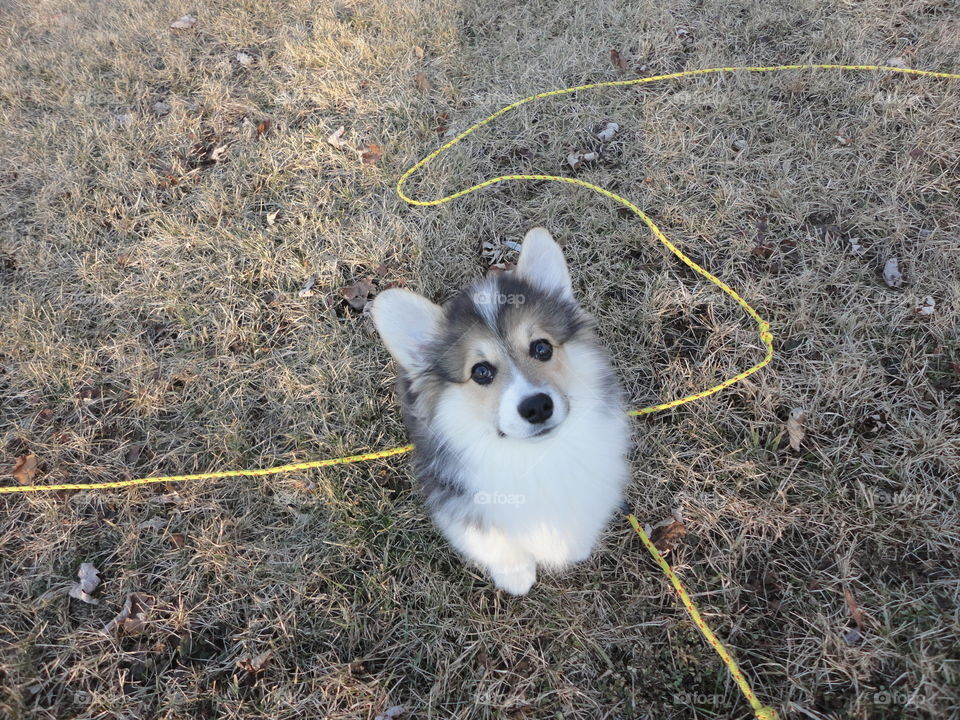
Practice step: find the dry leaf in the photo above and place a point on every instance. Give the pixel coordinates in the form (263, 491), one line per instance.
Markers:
(854, 635)
(891, 273)
(929, 304)
(360, 293)
(178, 540)
(423, 82)
(244, 59)
(796, 430)
(856, 249)
(500, 268)
(216, 153)
(392, 712)
(25, 469)
(307, 289)
(254, 665)
(418, 51)
(89, 579)
(370, 154)
(666, 533)
(575, 160)
(609, 130)
(184, 23)
(336, 138)
(382, 270)
(262, 127)
(618, 62)
(272, 218)
(133, 617)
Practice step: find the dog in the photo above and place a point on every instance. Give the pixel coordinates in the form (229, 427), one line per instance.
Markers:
(516, 414)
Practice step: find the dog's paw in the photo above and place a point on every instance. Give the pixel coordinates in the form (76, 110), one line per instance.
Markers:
(516, 581)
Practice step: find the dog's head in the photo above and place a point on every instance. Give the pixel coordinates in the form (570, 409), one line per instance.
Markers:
(505, 358)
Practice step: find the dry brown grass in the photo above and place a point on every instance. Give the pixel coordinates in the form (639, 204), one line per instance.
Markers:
(150, 327)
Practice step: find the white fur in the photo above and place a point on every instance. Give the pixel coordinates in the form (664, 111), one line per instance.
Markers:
(406, 322)
(541, 262)
(509, 421)
(543, 501)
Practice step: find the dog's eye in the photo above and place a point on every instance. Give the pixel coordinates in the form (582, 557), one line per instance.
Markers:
(541, 350)
(483, 373)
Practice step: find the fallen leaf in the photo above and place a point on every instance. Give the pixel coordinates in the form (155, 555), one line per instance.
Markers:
(216, 153)
(184, 23)
(500, 268)
(272, 218)
(307, 289)
(392, 712)
(178, 540)
(423, 82)
(796, 429)
(382, 269)
(891, 273)
(418, 51)
(666, 533)
(336, 138)
(360, 293)
(739, 145)
(89, 579)
(856, 249)
(133, 617)
(608, 131)
(255, 664)
(262, 127)
(244, 59)
(929, 304)
(617, 61)
(25, 469)
(855, 612)
(684, 35)
(576, 159)
(370, 154)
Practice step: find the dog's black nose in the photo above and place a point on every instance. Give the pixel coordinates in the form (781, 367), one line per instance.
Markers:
(536, 408)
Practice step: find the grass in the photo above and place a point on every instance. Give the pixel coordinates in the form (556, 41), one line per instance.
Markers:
(152, 324)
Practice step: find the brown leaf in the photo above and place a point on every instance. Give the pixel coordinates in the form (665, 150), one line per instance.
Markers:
(796, 430)
(89, 579)
(360, 293)
(254, 665)
(423, 82)
(418, 51)
(382, 270)
(133, 617)
(666, 534)
(370, 154)
(618, 62)
(336, 138)
(25, 469)
(262, 127)
(178, 540)
(855, 612)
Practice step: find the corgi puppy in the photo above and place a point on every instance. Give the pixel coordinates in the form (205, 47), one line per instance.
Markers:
(517, 416)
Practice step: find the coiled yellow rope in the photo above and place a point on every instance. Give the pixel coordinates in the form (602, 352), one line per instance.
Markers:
(763, 329)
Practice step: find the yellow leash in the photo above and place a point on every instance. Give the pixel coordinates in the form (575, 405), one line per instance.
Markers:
(763, 329)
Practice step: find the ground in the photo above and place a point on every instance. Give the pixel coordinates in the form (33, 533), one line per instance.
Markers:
(166, 195)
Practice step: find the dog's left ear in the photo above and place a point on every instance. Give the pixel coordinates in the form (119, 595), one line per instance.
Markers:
(541, 263)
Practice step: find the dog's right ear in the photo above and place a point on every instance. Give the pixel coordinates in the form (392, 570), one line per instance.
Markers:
(407, 322)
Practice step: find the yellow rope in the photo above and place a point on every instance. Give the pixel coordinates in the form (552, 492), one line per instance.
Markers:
(763, 329)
